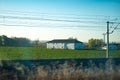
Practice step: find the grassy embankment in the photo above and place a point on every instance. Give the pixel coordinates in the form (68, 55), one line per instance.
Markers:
(32, 53)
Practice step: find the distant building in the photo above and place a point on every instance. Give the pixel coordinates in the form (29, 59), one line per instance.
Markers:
(65, 44)
(112, 46)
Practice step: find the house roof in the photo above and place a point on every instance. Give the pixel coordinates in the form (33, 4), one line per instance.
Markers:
(64, 41)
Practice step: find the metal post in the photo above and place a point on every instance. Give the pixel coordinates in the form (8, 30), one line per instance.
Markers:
(107, 51)
(104, 34)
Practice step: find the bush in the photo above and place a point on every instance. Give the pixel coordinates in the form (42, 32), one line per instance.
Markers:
(17, 71)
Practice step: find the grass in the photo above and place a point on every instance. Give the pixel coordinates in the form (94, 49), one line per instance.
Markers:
(33, 53)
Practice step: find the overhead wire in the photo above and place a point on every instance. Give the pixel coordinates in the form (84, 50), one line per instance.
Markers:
(93, 22)
(53, 16)
(86, 19)
(50, 19)
(58, 15)
(73, 26)
(114, 28)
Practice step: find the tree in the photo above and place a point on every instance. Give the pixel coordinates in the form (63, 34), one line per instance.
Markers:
(21, 42)
(72, 38)
(95, 43)
(4, 40)
(35, 43)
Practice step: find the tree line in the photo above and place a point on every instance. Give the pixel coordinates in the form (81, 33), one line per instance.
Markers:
(25, 42)
(14, 41)
(20, 42)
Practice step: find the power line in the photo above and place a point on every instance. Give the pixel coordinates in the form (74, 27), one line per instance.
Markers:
(77, 19)
(73, 16)
(59, 14)
(114, 28)
(49, 19)
(67, 27)
(10, 14)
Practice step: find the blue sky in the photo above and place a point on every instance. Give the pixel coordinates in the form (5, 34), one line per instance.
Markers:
(75, 10)
(97, 7)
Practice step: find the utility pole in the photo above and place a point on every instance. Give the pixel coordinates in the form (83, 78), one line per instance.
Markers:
(104, 34)
(107, 51)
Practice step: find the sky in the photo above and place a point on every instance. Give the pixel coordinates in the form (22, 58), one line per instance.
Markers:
(59, 19)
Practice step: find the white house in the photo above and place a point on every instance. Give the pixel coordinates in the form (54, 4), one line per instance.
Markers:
(64, 44)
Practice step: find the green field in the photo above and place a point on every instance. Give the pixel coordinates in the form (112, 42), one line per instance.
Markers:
(32, 53)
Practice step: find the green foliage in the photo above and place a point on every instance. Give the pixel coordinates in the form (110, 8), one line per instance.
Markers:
(95, 43)
(33, 53)
(21, 42)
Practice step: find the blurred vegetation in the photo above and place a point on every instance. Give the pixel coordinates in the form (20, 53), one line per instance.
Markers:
(10, 70)
(20, 42)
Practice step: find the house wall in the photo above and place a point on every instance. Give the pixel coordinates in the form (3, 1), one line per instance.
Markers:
(113, 47)
(60, 45)
(55, 45)
(78, 45)
(49, 45)
(64, 45)
(70, 46)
